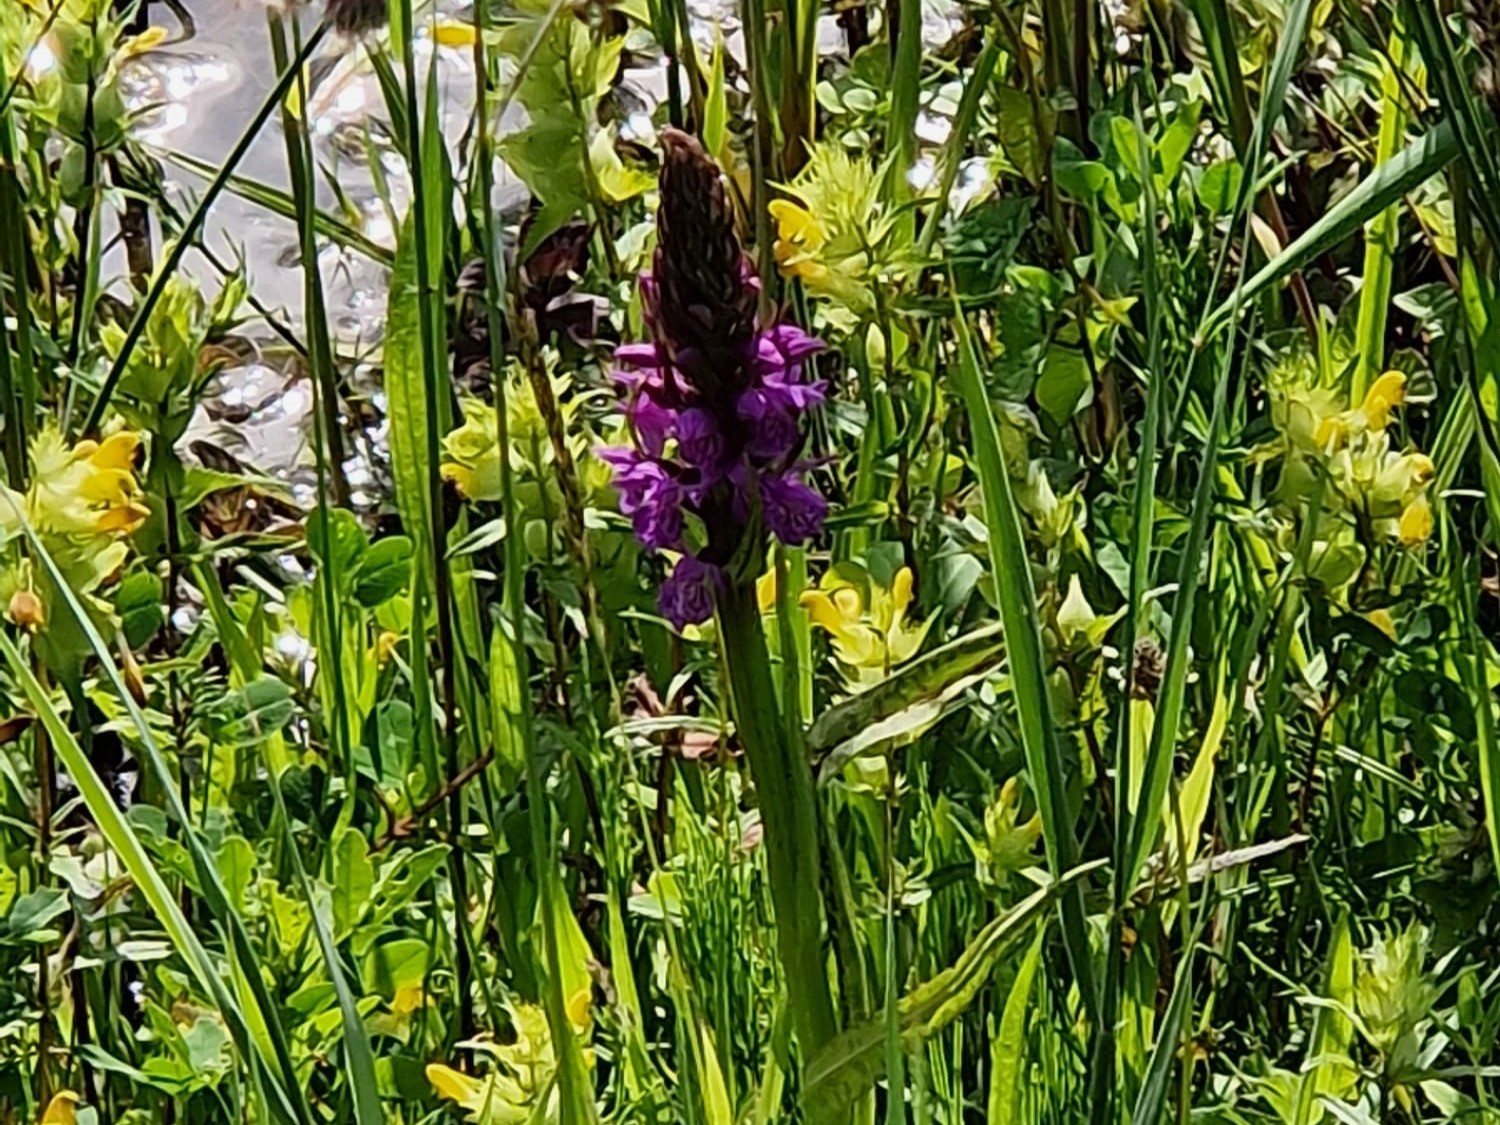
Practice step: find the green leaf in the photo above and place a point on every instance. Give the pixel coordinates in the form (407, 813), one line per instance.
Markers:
(1008, 1046)
(1219, 186)
(405, 391)
(715, 108)
(353, 879)
(1018, 136)
(30, 913)
(384, 571)
(235, 861)
(138, 602)
(1064, 384)
(1011, 569)
(254, 713)
(397, 884)
(906, 702)
(397, 964)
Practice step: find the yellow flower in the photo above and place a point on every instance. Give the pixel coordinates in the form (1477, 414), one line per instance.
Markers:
(872, 638)
(385, 646)
(765, 592)
(799, 237)
(472, 453)
(407, 999)
(521, 1089)
(1415, 525)
(1008, 841)
(84, 491)
(1386, 392)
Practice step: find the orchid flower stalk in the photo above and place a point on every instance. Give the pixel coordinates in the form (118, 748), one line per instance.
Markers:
(715, 400)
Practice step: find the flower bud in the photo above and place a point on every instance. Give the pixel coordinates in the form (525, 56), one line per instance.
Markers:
(27, 611)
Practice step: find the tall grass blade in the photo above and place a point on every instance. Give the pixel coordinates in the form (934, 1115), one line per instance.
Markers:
(1018, 615)
(1380, 235)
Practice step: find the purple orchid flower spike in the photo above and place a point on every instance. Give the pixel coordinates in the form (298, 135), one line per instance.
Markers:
(714, 399)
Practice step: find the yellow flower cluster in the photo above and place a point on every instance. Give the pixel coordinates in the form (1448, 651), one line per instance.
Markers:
(1353, 448)
(833, 232)
(83, 501)
(522, 1088)
(866, 621)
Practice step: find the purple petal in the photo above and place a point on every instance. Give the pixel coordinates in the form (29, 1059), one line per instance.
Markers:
(643, 356)
(699, 442)
(687, 596)
(786, 344)
(794, 512)
(770, 423)
(651, 421)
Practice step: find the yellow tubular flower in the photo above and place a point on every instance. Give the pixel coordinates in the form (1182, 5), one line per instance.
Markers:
(1386, 392)
(1415, 525)
(84, 491)
(868, 639)
(799, 237)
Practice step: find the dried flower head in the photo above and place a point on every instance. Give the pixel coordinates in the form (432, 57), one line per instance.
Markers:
(358, 17)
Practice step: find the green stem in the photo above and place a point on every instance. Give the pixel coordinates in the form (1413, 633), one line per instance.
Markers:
(789, 813)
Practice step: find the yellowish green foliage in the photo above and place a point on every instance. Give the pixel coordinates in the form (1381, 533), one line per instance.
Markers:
(836, 235)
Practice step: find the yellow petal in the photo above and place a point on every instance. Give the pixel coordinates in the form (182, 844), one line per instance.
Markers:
(122, 520)
(453, 1085)
(453, 33)
(578, 1008)
(820, 607)
(462, 477)
(1330, 432)
(117, 451)
(62, 1109)
(1387, 391)
(1382, 620)
(106, 486)
(901, 591)
(1415, 525)
(408, 999)
(795, 224)
(1420, 468)
(765, 591)
(849, 604)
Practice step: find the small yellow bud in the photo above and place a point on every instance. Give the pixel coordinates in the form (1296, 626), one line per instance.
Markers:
(385, 646)
(27, 611)
(765, 592)
(62, 1109)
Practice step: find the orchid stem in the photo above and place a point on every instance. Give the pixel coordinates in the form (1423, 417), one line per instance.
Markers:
(789, 813)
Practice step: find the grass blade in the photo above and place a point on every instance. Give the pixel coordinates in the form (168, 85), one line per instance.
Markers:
(1023, 640)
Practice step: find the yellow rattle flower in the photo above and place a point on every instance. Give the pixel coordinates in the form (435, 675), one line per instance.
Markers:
(799, 237)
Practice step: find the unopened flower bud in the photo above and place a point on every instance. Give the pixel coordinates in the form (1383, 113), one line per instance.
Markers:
(27, 611)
